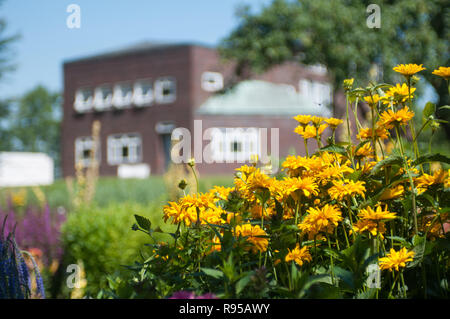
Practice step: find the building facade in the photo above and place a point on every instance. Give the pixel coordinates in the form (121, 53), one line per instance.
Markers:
(141, 94)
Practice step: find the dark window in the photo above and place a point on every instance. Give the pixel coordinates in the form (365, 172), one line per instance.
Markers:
(236, 147)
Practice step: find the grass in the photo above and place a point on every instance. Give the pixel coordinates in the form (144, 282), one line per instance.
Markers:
(110, 190)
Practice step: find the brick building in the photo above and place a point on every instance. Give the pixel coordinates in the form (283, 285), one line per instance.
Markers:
(141, 94)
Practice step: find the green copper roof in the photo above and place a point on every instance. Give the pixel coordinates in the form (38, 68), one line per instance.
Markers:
(256, 97)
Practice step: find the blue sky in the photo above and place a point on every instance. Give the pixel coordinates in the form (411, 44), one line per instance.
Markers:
(46, 41)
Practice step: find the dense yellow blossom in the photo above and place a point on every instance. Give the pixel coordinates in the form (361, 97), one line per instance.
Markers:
(333, 122)
(443, 72)
(389, 118)
(366, 133)
(398, 94)
(372, 100)
(346, 187)
(408, 69)
(299, 255)
(393, 192)
(319, 220)
(254, 235)
(396, 259)
(303, 119)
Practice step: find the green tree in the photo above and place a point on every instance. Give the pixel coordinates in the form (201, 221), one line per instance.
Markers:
(36, 123)
(6, 66)
(335, 34)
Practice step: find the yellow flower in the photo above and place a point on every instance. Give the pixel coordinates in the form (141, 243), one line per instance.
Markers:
(318, 220)
(380, 133)
(235, 218)
(303, 119)
(433, 225)
(378, 214)
(190, 207)
(426, 180)
(447, 180)
(408, 69)
(341, 189)
(246, 170)
(389, 118)
(370, 226)
(221, 192)
(364, 151)
(334, 122)
(254, 235)
(372, 100)
(393, 192)
(396, 259)
(333, 171)
(443, 72)
(215, 244)
(398, 94)
(310, 131)
(348, 83)
(299, 255)
(316, 120)
(290, 186)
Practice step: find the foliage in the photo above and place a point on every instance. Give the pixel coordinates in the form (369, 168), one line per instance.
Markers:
(35, 123)
(349, 221)
(100, 238)
(335, 34)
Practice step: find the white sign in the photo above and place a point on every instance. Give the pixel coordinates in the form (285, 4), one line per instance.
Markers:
(133, 171)
(25, 169)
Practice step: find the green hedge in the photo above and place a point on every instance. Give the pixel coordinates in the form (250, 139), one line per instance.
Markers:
(103, 239)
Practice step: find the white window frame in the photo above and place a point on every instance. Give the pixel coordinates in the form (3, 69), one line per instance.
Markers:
(116, 142)
(212, 81)
(160, 85)
(223, 139)
(81, 103)
(102, 102)
(119, 100)
(85, 143)
(318, 92)
(141, 98)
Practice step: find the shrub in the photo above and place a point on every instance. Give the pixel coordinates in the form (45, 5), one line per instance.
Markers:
(352, 220)
(103, 240)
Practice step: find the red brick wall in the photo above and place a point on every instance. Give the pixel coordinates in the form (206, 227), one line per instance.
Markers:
(92, 73)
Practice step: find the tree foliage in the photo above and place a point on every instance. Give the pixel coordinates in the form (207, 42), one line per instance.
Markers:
(36, 122)
(335, 34)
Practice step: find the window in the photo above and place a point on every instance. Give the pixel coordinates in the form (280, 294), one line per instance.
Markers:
(83, 100)
(122, 96)
(84, 148)
(212, 81)
(318, 92)
(103, 98)
(124, 148)
(165, 90)
(234, 144)
(142, 93)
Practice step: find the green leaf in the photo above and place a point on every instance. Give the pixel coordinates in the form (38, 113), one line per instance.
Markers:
(431, 158)
(242, 283)
(428, 110)
(143, 222)
(213, 272)
(391, 160)
(445, 107)
(403, 241)
(333, 148)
